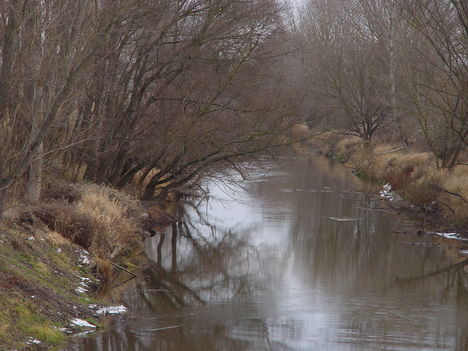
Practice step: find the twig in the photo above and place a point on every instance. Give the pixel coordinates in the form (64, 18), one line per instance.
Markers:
(390, 151)
(123, 269)
(451, 193)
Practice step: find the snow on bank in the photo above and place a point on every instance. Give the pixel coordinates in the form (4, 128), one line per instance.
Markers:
(33, 341)
(454, 236)
(112, 310)
(387, 193)
(83, 285)
(80, 290)
(84, 259)
(81, 323)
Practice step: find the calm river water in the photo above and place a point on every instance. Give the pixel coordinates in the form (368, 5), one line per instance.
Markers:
(298, 258)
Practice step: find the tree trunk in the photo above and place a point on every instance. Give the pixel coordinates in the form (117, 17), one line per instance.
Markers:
(395, 116)
(3, 192)
(33, 188)
(174, 248)
(8, 51)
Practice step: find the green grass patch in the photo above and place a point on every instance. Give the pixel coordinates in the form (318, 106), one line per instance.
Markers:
(46, 333)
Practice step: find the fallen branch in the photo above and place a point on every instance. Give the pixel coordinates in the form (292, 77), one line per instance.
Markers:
(123, 269)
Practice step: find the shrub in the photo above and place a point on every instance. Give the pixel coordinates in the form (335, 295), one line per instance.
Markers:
(63, 192)
(97, 218)
(115, 213)
(63, 219)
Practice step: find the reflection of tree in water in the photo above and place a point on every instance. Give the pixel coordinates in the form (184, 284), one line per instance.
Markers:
(182, 338)
(182, 303)
(206, 263)
(454, 275)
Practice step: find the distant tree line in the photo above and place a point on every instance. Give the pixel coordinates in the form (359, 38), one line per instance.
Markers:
(399, 66)
(105, 90)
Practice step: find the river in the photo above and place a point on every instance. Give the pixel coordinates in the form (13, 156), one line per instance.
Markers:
(300, 257)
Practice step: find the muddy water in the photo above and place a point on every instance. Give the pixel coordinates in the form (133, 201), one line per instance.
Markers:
(299, 258)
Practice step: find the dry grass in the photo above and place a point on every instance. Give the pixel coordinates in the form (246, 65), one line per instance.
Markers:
(115, 213)
(299, 132)
(456, 180)
(414, 175)
(56, 239)
(62, 192)
(98, 218)
(348, 145)
(104, 270)
(326, 141)
(62, 218)
(418, 180)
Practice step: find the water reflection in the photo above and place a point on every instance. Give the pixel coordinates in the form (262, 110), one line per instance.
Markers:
(304, 259)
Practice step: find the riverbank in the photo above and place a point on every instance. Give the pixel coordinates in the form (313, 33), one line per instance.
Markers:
(407, 178)
(54, 258)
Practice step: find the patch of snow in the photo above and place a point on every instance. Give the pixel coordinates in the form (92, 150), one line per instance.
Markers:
(81, 323)
(33, 341)
(85, 282)
(112, 310)
(387, 193)
(59, 250)
(80, 290)
(84, 285)
(33, 296)
(31, 238)
(92, 306)
(455, 236)
(464, 252)
(84, 256)
(84, 259)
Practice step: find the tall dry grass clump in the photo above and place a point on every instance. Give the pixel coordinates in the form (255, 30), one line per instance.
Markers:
(415, 176)
(64, 219)
(325, 142)
(349, 145)
(454, 188)
(400, 168)
(100, 219)
(116, 214)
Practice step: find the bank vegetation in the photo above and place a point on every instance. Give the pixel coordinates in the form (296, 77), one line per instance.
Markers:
(386, 85)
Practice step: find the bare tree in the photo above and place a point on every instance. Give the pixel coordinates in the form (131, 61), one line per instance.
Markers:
(191, 108)
(441, 75)
(47, 60)
(109, 89)
(343, 61)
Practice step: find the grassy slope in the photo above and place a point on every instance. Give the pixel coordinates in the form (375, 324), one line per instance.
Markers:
(38, 278)
(42, 266)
